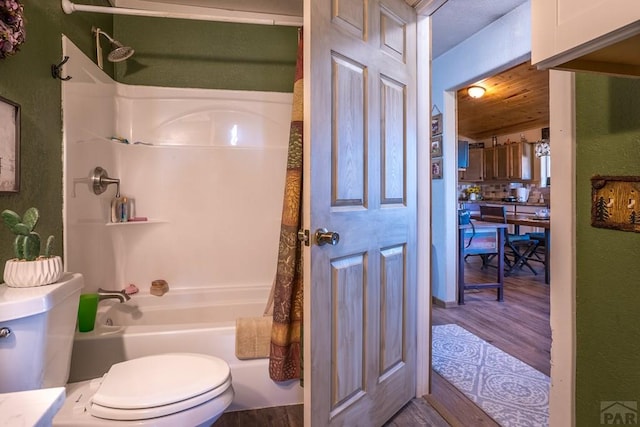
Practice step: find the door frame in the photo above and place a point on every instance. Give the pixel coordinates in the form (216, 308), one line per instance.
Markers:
(423, 313)
(563, 257)
(563, 235)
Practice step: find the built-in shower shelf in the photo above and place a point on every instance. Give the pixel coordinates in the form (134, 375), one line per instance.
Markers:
(93, 139)
(134, 223)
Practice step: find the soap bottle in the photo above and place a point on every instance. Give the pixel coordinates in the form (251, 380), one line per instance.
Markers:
(124, 209)
(119, 209)
(116, 202)
(131, 206)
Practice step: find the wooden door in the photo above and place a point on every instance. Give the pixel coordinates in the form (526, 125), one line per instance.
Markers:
(360, 181)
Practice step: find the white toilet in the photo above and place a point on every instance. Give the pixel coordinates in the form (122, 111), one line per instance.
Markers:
(36, 337)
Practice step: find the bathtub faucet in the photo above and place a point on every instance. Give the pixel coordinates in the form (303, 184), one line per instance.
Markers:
(119, 295)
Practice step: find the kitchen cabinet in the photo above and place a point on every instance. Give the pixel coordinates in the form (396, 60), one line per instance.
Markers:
(502, 157)
(512, 162)
(489, 164)
(520, 161)
(586, 36)
(475, 170)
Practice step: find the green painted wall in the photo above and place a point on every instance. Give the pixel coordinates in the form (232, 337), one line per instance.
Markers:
(169, 53)
(608, 262)
(25, 78)
(201, 54)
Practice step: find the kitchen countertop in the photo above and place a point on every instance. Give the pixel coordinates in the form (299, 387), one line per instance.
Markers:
(500, 202)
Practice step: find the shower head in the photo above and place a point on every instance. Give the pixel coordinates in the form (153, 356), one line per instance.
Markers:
(118, 53)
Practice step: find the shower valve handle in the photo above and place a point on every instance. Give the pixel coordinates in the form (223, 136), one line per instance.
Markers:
(100, 180)
(324, 237)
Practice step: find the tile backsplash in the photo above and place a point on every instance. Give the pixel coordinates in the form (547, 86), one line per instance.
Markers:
(498, 191)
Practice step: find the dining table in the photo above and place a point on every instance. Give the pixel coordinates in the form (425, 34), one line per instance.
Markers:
(532, 220)
(540, 222)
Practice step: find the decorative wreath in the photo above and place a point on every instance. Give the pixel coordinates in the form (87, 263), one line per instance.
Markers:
(12, 31)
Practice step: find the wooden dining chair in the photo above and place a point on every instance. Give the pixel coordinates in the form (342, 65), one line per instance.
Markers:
(518, 247)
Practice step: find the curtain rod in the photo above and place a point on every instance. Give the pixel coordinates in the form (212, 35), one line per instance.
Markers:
(68, 7)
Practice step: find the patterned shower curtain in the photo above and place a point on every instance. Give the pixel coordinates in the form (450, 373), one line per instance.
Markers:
(285, 361)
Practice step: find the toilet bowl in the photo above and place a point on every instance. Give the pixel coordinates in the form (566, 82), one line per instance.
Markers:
(162, 390)
(175, 389)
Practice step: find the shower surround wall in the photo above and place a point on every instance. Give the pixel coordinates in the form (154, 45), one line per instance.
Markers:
(211, 183)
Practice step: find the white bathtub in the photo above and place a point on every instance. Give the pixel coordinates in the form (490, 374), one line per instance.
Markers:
(183, 320)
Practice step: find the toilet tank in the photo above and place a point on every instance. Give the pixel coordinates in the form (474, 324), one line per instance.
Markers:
(41, 320)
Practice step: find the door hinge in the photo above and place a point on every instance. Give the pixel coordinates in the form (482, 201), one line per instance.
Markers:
(303, 236)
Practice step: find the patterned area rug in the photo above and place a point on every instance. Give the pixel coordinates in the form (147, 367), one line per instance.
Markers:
(508, 390)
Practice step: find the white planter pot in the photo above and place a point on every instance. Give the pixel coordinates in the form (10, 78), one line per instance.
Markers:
(26, 274)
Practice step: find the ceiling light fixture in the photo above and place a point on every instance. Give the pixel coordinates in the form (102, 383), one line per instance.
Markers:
(476, 91)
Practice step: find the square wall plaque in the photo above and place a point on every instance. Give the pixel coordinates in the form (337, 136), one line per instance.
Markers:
(615, 202)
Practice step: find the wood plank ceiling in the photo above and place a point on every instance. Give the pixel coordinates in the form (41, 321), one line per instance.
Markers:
(515, 100)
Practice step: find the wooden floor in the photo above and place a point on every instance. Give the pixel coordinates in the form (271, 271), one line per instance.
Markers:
(281, 416)
(519, 326)
(415, 413)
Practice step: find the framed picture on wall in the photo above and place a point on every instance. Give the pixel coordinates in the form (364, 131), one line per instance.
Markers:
(9, 146)
(436, 146)
(436, 124)
(436, 169)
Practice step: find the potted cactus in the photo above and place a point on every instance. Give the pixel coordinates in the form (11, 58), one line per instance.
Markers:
(29, 268)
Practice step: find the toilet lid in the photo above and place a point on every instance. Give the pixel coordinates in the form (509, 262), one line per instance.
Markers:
(149, 386)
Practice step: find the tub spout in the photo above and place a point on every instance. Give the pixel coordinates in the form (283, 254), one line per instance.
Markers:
(119, 295)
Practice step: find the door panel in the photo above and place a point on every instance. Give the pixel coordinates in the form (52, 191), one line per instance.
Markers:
(393, 34)
(392, 309)
(349, 83)
(393, 100)
(348, 306)
(360, 181)
(351, 15)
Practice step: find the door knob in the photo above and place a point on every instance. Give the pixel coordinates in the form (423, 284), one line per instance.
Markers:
(323, 237)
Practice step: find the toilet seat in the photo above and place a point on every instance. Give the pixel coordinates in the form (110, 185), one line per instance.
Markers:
(159, 385)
